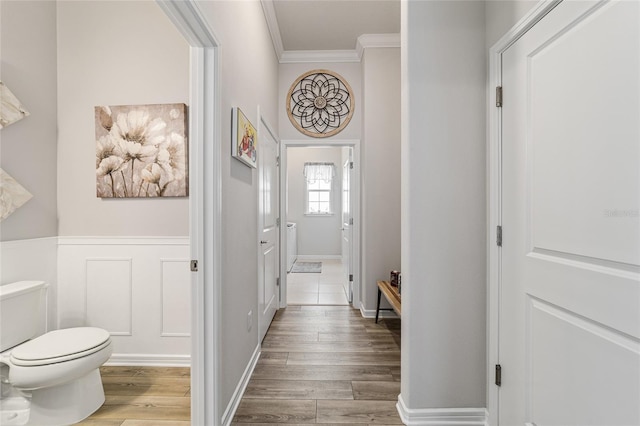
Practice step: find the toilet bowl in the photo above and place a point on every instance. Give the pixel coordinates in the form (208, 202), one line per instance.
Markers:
(57, 371)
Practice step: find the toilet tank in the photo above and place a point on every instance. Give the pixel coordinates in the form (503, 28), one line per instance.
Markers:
(22, 312)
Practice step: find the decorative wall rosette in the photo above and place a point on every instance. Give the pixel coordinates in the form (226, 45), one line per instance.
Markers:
(320, 103)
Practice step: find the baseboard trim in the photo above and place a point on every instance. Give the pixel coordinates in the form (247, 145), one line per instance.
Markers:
(230, 412)
(149, 360)
(441, 416)
(371, 313)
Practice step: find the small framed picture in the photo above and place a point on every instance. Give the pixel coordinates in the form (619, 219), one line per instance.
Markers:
(244, 139)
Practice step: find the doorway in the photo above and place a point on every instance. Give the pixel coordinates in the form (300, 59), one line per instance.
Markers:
(318, 199)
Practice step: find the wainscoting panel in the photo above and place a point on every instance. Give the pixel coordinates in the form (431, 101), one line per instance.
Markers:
(176, 298)
(137, 288)
(109, 290)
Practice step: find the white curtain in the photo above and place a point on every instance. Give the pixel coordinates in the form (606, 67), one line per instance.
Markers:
(314, 172)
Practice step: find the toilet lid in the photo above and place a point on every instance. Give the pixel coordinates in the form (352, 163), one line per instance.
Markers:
(60, 344)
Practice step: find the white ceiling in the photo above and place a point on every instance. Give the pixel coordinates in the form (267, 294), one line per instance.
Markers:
(311, 25)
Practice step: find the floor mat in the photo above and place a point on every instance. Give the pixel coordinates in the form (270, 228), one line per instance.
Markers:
(307, 267)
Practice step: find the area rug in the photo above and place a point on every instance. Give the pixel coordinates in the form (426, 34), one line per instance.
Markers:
(307, 267)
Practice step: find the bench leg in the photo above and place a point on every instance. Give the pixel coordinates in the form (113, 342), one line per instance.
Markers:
(378, 307)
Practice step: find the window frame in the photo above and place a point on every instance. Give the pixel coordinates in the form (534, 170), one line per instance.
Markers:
(330, 191)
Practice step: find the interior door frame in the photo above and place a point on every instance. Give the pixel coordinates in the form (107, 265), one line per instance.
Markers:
(355, 198)
(205, 201)
(494, 167)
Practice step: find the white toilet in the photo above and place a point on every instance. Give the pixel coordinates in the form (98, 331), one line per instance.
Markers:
(58, 371)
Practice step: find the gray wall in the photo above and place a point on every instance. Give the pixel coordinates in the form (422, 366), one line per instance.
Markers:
(28, 147)
(380, 192)
(443, 205)
(106, 57)
(317, 235)
(501, 15)
(248, 79)
(444, 198)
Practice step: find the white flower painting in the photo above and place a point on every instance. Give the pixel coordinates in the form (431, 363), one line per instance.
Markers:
(12, 195)
(141, 151)
(11, 109)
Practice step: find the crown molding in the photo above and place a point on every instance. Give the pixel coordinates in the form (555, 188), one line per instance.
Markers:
(306, 56)
(366, 41)
(274, 28)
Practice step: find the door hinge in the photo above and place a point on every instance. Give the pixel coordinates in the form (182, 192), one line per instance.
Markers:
(498, 375)
(194, 266)
(350, 221)
(351, 165)
(278, 222)
(278, 281)
(499, 236)
(350, 277)
(278, 161)
(499, 96)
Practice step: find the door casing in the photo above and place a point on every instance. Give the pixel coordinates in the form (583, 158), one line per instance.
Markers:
(355, 187)
(494, 155)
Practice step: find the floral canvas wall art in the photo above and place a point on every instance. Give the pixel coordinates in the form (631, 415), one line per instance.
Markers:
(12, 195)
(11, 109)
(141, 151)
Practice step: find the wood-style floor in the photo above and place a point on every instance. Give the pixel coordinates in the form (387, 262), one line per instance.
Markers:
(144, 396)
(325, 364)
(319, 364)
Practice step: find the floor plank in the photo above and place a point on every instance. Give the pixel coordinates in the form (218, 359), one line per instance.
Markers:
(143, 385)
(323, 372)
(132, 422)
(299, 389)
(275, 346)
(144, 408)
(273, 358)
(275, 411)
(357, 412)
(380, 391)
(353, 358)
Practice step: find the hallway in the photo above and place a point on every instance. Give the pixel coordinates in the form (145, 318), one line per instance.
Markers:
(325, 364)
(325, 288)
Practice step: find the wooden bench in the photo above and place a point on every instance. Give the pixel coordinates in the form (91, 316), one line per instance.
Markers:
(393, 297)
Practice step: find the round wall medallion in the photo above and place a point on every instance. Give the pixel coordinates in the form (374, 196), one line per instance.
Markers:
(320, 103)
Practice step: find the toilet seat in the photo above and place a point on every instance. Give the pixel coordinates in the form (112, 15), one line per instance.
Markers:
(60, 346)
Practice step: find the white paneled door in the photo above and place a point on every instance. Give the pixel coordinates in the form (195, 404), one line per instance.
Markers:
(569, 319)
(268, 256)
(347, 230)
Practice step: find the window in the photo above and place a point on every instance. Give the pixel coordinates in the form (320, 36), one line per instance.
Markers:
(319, 188)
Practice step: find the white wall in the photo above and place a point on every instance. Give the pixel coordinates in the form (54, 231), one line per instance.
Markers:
(443, 206)
(380, 191)
(113, 53)
(248, 79)
(317, 235)
(119, 53)
(28, 147)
